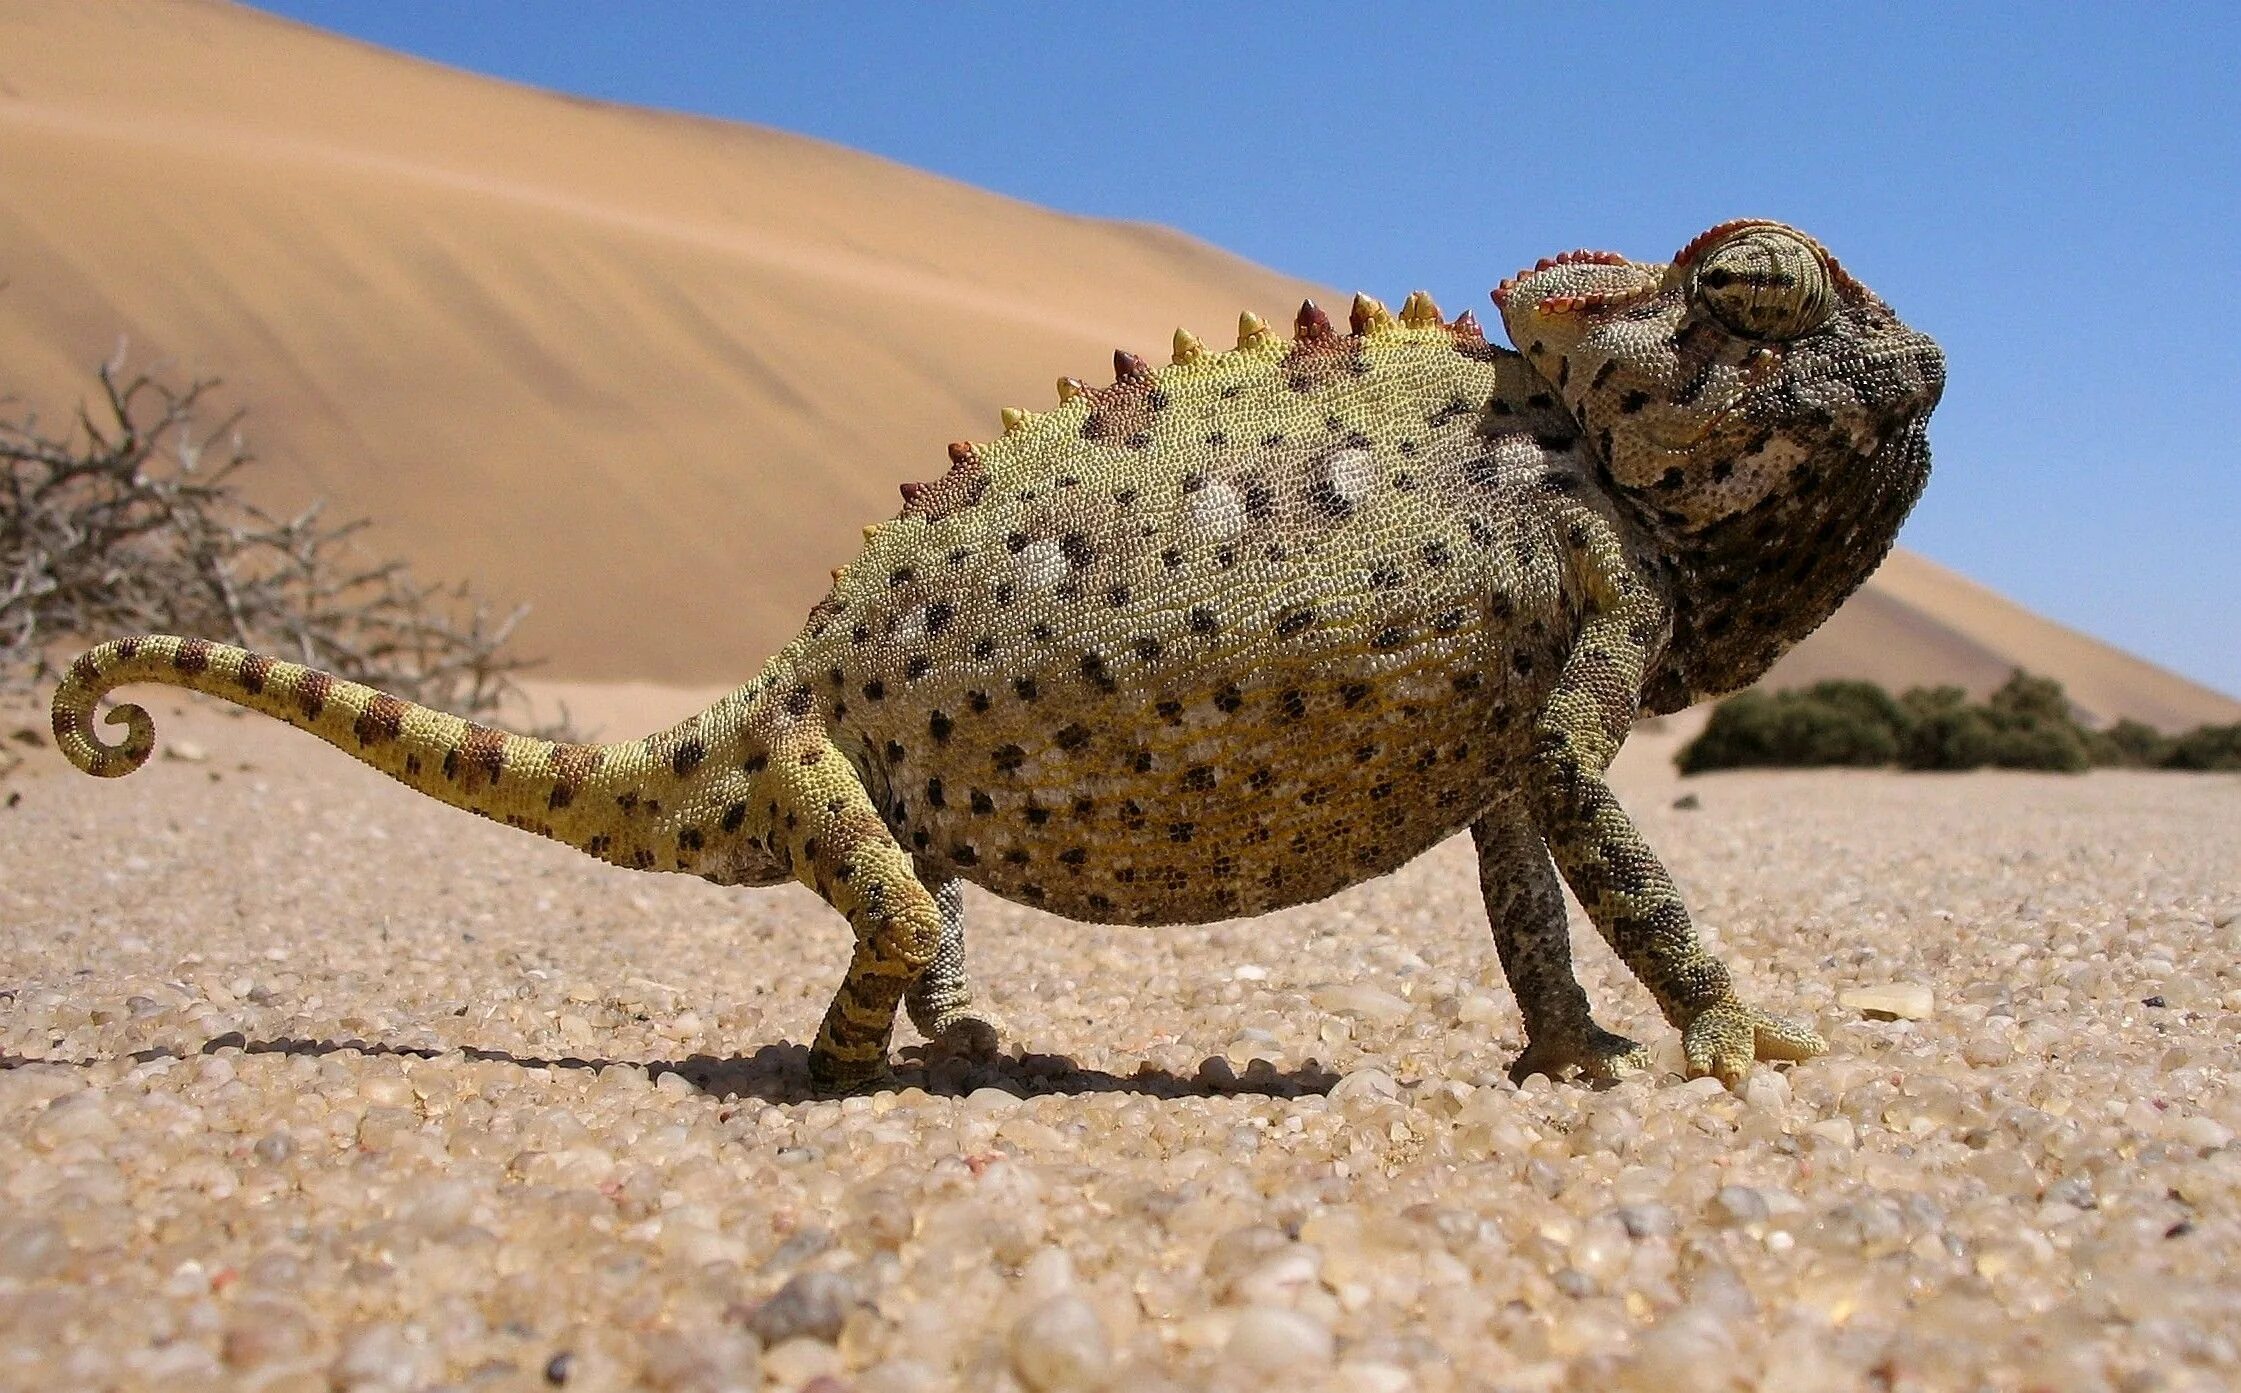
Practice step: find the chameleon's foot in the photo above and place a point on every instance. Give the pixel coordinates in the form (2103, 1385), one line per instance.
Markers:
(1727, 1039)
(835, 1074)
(1594, 1051)
(966, 1035)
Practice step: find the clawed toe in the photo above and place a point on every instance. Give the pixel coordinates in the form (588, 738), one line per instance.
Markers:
(969, 1037)
(1725, 1040)
(1595, 1053)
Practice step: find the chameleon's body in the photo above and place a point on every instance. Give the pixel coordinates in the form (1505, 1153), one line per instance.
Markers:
(1244, 631)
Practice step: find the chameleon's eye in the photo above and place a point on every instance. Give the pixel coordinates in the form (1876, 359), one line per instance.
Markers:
(1765, 283)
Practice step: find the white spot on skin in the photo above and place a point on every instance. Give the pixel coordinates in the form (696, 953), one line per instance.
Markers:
(1216, 511)
(1042, 566)
(1352, 473)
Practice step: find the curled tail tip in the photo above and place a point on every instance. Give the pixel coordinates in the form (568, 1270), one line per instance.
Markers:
(73, 723)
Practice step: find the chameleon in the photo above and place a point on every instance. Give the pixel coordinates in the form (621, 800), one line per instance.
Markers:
(1238, 632)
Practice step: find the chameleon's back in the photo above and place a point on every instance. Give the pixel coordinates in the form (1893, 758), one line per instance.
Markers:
(1212, 640)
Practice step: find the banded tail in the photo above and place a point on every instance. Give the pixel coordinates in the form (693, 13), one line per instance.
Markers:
(621, 803)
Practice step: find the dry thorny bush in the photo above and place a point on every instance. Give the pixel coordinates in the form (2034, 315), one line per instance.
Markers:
(133, 522)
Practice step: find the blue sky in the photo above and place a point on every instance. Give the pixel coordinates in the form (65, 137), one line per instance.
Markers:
(2054, 192)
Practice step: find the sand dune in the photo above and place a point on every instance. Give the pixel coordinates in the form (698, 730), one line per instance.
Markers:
(650, 372)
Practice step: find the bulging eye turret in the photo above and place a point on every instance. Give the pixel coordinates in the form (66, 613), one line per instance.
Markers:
(1765, 282)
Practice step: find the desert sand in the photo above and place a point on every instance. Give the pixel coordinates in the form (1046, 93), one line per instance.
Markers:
(310, 1083)
(647, 372)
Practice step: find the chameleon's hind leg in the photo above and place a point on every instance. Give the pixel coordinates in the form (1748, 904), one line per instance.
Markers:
(940, 1002)
(1525, 905)
(842, 849)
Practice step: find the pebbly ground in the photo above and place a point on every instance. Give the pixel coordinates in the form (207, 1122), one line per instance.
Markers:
(307, 1083)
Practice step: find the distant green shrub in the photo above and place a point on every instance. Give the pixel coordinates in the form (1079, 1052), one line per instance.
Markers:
(2206, 747)
(1830, 723)
(2026, 724)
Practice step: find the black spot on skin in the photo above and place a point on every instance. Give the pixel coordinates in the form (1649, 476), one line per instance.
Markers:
(1633, 402)
(1147, 648)
(1025, 688)
(1436, 553)
(1541, 400)
(984, 646)
(1093, 668)
(1033, 892)
(1117, 596)
(1072, 737)
(1354, 694)
(1181, 831)
(1016, 543)
(1523, 662)
(964, 854)
(755, 764)
(734, 816)
(934, 795)
(1198, 778)
(860, 635)
(957, 556)
(917, 666)
(1193, 482)
(690, 839)
(1074, 857)
(1449, 621)
(1553, 443)
(1037, 816)
(1083, 806)
(1042, 632)
(1273, 439)
(875, 690)
(1386, 578)
(1294, 621)
(1170, 712)
(1258, 499)
(1293, 704)
(939, 725)
(1229, 698)
(1226, 556)
(1007, 758)
(1003, 593)
(1389, 638)
(982, 804)
(1077, 549)
(1468, 681)
(938, 615)
(688, 757)
(895, 753)
(978, 701)
(1143, 762)
(1124, 497)
(1203, 620)
(901, 576)
(1173, 556)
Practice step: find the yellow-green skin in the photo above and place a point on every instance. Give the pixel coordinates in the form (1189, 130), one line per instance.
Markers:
(1253, 628)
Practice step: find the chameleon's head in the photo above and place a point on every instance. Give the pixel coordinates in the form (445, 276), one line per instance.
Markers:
(1750, 366)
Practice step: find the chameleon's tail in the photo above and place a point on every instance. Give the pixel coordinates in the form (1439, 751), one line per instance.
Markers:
(541, 786)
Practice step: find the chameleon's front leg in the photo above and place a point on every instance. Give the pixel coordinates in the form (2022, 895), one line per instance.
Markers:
(1618, 879)
(940, 1002)
(1525, 906)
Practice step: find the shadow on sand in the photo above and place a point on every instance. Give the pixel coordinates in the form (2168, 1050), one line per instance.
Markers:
(779, 1073)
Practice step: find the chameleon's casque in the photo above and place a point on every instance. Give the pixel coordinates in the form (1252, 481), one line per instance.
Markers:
(1244, 630)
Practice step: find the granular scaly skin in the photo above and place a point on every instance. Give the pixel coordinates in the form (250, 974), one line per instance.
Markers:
(1241, 632)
